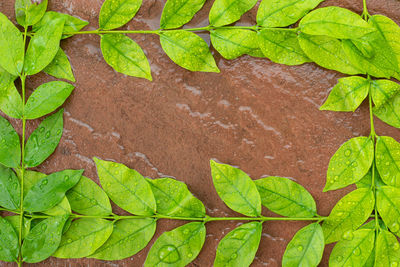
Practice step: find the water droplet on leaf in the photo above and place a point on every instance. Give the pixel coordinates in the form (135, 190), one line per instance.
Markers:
(169, 254)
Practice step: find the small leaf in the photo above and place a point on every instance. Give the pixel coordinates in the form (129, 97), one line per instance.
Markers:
(388, 205)
(350, 163)
(174, 199)
(347, 95)
(29, 12)
(60, 67)
(382, 91)
(61, 208)
(366, 181)
(179, 12)
(126, 187)
(30, 179)
(11, 101)
(306, 247)
(188, 50)
(236, 189)
(47, 98)
(125, 56)
(15, 222)
(285, 197)
(5, 79)
(128, 238)
(348, 214)
(116, 13)
(10, 152)
(389, 112)
(9, 189)
(178, 247)
(387, 249)
(239, 247)
(224, 12)
(388, 160)
(8, 241)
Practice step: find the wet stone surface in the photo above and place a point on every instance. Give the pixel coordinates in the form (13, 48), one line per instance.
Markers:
(260, 116)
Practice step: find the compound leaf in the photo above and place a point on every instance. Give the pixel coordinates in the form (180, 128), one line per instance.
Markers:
(60, 67)
(10, 189)
(116, 13)
(224, 12)
(29, 12)
(8, 241)
(10, 152)
(178, 12)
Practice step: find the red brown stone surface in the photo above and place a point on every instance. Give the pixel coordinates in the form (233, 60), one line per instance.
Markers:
(255, 114)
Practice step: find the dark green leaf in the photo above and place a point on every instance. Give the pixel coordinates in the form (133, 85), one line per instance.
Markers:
(224, 12)
(11, 101)
(389, 112)
(388, 160)
(29, 12)
(387, 250)
(116, 13)
(178, 12)
(366, 181)
(388, 205)
(15, 222)
(10, 152)
(10, 189)
(382, 91)
(60, 67)
(8, 241)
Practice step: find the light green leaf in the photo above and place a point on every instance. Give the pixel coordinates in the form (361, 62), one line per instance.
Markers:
(239, 247)
(10, 152)
(178, 12)
(88, 198)
(383, 90)
(28, 12)
(350, 163)
(388, 205)
(347, 95)
(348, 214)
(387, 249)
(178, 247)
(9, 189)
(60, 67)
(278, 13)
(11, 101)
(285, 197)
(236, 189)
(224, 12)
(174, 199)
(125, 56)
(188, 50)
(282, 46)
(366, 181)
(5, 79)
(388, 160)
(47, 98)
(61, 208)
(354, 250)
(83, 238)
(14, 220)
(128, 238)
(116, 13)
(306, 247)
(43, 46)
(8, 241)
(335, 22)
(30, 179)
(126, 187)
(389, 112)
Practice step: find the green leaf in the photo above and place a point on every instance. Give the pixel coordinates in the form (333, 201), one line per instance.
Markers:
(125, 56)
(10, 152)
(188, 50)
(61, 208)
(44, 140)
(5, 79)
(83, 238)
(28, 12)
(347, 95)
(12, 47)
(47, 98)
(388, 160)
(382, 91)
(30, 179)
(116, 13)
(176, 13)
(50, 190)
(354, 250)
(43, 240)
(328, 53)
(306, 247)
(60, 67)
(389, 112)
(348, 214)
(11, 101)
(9, 189)
(88, 198)
(387, 249)
(285, 197)
(174, 199)
(388, 205)
(178, 247)
(282, 46)
(335, 22)
(366, 181)
(278, 13)
(350, 163)
(224, 12)
(239, 247)
(128, 238)
(43, 46)
(236, 189)
(8, 241)
(126, 187)
(15, 220)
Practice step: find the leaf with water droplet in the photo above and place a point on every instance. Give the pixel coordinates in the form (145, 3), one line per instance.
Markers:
(10, 151)
(11, 101)
(387, 249)
(179, 12)
(389, 112)
(9, 189)
(382, 91)
(116, 13)
(60, 67)
(28, 13)
(8, 241)
(224, 12)
(388, 160)
(15, 222)
(388, 205)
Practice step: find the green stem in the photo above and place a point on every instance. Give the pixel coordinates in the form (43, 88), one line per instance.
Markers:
(365, 13)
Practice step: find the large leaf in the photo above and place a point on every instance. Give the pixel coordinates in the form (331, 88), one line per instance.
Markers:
(10, 189)
(11, 101)
(388, 160)
(29, 12)
(389, 112)
(60, 67)
(224, 12)
(116, 13)
(178, 12)
(387, 249)
(10, 152)
(383, 90)
(8, 241)
(388, 205)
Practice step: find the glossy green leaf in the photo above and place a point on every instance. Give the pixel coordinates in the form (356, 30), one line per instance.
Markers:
(61, 208)
(14, 220)
(366, 181)
(188, 50)
(11, 101)
(174, 199)
(285, 197)
(335, 22)
(128, 238)
(43, 240)
(387, 250)
(10, 152)
(84, 237)
(389, 112)
(350, 163)
(47, 98)
(8, 241)
(388, 160)
(236, 189)
(176, 13)
(347, 95)
(278, 13)
(44, 140)
(126, 187)
(388, 205)
(50, 190)
(88, 198)
(282, 46)
(382, 91)
(116, 13)
(9, 189)
(125, 56)
(43, 46)
(224, 12)
(239, 247)
(354, 250)
(29, 12)
(178, 247)
(30, 179)
(306, 247)
(348, 214)
(60, 67)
